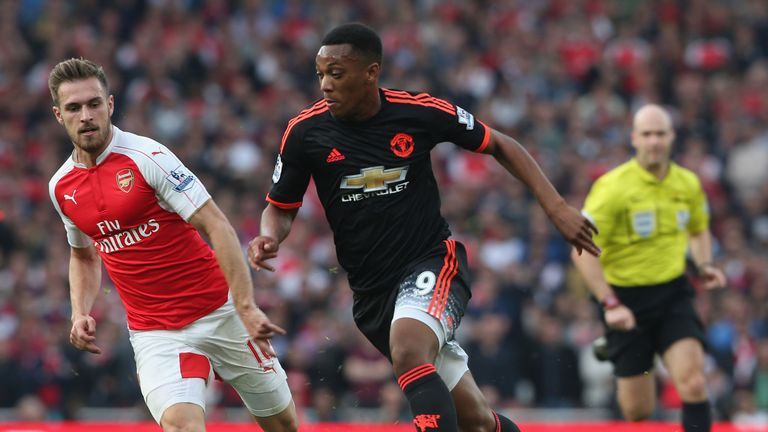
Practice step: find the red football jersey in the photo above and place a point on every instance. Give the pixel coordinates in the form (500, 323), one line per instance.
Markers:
(133, 206)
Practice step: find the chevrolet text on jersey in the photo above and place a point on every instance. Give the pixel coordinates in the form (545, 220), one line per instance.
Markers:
(374, 181)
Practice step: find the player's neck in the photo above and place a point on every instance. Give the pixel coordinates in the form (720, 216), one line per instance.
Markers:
(369, 107)
(659, 170)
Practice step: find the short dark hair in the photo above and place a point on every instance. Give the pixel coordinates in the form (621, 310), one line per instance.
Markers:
(74, 69)
(364, 40)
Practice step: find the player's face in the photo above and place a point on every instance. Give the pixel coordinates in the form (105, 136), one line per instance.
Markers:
(348, 83)
(84, 110)
(652, 138)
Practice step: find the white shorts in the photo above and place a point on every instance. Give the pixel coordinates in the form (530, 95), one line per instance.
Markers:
(175, 365)
(451, 362)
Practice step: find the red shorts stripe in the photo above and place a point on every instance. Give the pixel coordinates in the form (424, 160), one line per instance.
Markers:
(438, 285)
(194, 365)
(432, 309)
(444, 282)
(253, 350)
(448, 279)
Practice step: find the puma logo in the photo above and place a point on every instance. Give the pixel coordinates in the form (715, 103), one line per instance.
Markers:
(155, 153)
(71, 197)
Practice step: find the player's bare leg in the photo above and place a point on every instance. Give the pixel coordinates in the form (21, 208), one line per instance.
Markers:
(412, 343)
(684, 360)
(414, 347)
(472, 409)
(637, 396)
(474, 413)
(183, 417)
(285, 421)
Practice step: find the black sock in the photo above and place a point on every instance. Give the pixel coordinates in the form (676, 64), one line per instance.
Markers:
(504, 424)
(696, 417)
(430, 400)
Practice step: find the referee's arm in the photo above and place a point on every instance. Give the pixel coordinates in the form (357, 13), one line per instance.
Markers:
(590, 268)
(617, 315)
(700, 245)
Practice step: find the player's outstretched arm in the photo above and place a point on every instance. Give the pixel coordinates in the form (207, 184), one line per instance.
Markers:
(573, 226)
(84, 284)
(211, 221)
(275, 226)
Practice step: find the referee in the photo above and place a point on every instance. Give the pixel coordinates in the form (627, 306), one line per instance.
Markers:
(650, 212)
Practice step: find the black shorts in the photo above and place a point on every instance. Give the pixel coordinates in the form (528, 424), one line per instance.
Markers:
(438, 284)
(664, 315)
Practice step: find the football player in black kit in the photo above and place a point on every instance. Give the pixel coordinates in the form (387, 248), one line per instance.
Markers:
(368, 151)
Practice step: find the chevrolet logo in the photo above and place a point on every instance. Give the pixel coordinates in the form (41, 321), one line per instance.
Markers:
(374, 178)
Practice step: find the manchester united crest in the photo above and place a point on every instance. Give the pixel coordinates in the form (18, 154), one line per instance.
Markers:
(124, 180)
(402, 145)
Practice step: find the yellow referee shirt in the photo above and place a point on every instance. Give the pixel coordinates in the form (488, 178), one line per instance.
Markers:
(644, 222)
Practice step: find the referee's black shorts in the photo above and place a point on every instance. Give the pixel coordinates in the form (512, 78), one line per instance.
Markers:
(664, 314)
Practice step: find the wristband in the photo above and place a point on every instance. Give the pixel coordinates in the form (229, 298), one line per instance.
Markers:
(700, 267)
(610, 301)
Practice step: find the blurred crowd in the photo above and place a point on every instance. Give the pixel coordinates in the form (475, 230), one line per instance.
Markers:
(217, 82)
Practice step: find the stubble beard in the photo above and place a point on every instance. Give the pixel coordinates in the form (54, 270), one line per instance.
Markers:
(92, 144)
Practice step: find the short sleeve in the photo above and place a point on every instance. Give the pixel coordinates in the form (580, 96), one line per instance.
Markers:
(599, 208)
(176, 187)
(455, 124)
(291, 175)
(75, 237)
(699, 210)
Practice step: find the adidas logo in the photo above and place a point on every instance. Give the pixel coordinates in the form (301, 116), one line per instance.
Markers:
(335, 156)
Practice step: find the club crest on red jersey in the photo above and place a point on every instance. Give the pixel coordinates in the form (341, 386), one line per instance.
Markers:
(124, 180)
(402, 145)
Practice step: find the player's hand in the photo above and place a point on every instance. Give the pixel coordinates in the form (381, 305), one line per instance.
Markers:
(83, 334)
(576, 229)
(620, 318)
(260, 249)
(712, 277)
(260, 328)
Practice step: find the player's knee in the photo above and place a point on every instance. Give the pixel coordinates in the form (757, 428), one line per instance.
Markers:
(180, 423)
(693, 387)
(287, 424)
(285, 421)
(405, 358)
(477, 421)
(637, 412)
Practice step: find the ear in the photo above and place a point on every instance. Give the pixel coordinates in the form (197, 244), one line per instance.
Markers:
(57, 114)
(372, 74)
(111, 104)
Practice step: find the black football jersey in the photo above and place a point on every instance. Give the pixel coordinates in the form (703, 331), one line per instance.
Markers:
(375, 180)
